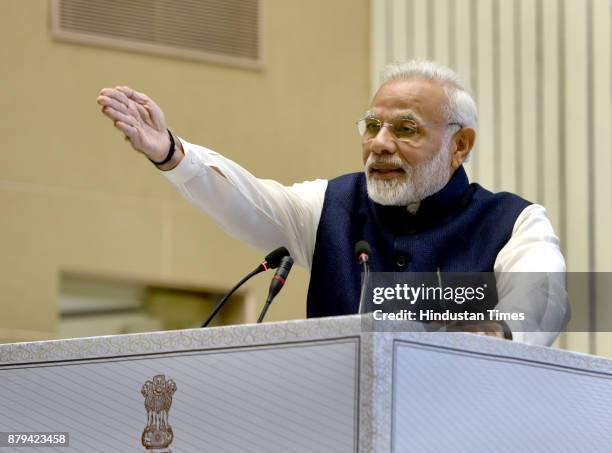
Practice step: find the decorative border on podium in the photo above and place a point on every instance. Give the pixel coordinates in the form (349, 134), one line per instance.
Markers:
(179, 340)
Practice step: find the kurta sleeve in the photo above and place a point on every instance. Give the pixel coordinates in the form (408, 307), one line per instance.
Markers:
(260, 212)
(530, 274)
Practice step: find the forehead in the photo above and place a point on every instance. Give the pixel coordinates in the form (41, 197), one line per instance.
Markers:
(419, 96)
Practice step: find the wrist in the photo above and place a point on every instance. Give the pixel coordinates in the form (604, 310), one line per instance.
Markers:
(174, 155)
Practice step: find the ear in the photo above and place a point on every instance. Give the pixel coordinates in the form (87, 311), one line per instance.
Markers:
(463, 141)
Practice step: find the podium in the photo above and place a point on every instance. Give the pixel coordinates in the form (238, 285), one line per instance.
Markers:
(320, 385)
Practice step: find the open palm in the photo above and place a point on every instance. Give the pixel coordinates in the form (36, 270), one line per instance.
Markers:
(139, 118)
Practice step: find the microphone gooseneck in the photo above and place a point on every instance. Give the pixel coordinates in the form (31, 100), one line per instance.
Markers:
(362, 253)
(271, 261)
(278, 281)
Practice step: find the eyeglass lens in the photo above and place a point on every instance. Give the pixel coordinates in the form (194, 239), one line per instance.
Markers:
(403, 129)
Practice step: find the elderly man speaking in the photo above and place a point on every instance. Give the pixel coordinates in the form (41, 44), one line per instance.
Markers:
(413, 203)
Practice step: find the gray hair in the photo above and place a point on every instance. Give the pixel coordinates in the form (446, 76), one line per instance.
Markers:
(461, 107)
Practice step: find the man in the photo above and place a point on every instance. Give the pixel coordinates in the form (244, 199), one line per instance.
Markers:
(413, 203)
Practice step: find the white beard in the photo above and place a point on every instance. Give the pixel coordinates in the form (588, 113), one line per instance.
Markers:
(419, 181)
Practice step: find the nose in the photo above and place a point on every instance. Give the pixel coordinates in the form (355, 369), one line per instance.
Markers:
(384, 142)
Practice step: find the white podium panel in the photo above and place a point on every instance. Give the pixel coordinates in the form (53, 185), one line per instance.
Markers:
(493, 402)
(278, 398)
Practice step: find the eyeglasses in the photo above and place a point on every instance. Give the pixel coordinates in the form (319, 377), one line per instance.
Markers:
(404, 129)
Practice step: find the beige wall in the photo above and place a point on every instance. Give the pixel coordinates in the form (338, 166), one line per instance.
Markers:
(75, 197)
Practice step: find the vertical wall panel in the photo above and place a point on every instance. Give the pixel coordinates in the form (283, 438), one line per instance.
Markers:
(474, 40)
(550, 124)
(440, 14)
(389, 31)
(462, 52)
(485, 93)
(496, 65)
(451, 14)
(399, 29)
(507, 121)
(539, 89)
(419, 25)
(431, 29)
(378, 40)
(602, 142)
(410, 34)
(602, 155)
(575, 135)
(527, 74)
(561, 128)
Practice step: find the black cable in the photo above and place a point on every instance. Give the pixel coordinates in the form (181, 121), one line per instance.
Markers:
(226, 297)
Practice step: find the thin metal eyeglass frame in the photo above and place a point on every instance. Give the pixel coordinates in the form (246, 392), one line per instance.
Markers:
(385, 124)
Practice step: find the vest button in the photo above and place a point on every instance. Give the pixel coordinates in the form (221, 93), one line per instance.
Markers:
(401, 261)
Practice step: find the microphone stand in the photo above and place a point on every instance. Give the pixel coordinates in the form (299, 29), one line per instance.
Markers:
(277, 283)
(364, 284)
(264, 311)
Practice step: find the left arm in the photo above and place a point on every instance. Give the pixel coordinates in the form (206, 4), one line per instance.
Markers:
(530, 273)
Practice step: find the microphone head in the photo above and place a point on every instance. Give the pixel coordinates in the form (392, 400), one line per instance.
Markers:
(278, 281)
(362, 248)
(286, 264)
(274, 258)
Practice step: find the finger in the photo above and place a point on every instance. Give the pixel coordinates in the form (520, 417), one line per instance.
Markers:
(155, 113)
(144, 113)
(157, 116)
(115, 94)
(488, 333)
(134, 112)
(130, 132)
(109, 102)
(146, 101)
(133, 109)
(118, 116)
(141, 98)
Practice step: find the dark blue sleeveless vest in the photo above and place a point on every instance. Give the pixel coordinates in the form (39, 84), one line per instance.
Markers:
(461, 228)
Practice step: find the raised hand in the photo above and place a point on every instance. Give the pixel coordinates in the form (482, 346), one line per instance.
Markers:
(139, 118)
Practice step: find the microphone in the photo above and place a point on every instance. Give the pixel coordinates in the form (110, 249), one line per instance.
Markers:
(271, 261)
(277, 283)
(363, 252)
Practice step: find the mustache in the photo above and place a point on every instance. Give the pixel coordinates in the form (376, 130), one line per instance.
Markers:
(393, 160)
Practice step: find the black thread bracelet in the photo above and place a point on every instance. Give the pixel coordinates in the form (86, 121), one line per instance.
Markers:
(170, 151)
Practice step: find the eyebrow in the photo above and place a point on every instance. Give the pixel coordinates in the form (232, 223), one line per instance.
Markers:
(408, 116)
(402, 116)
